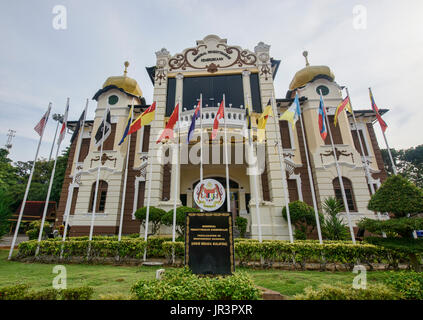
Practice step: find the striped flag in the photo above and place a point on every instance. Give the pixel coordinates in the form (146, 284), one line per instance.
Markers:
(128, 125)
(219, 115)
(145, 118)
(196, 115)
(293, 113)
(382, 123)
(104, 130)
(39, 128)
(63, 129)
(322, 126)
(345, 104)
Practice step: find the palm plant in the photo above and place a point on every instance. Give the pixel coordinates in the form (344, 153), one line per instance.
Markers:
(333, 227)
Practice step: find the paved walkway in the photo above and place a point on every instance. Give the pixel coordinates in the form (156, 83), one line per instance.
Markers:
(6, 241)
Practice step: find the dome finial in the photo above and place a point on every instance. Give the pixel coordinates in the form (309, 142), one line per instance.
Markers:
(305, 54)
(126, 64)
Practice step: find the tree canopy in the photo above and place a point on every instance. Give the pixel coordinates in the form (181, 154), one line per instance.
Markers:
(399, 196)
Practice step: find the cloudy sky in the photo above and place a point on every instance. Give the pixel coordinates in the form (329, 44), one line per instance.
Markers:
(39, 64)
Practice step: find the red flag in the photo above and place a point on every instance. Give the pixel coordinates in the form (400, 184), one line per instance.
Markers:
(219, 115)
(168, 131)
(145, 118)
(382, 123)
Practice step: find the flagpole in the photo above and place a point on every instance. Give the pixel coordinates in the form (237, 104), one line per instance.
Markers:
(47, 201)
(54, 140)
(96, 185)
(365, 164)
(72, 185)
(341, 183)
(282, 165)
(228, 192)
(310, 179)
(251, 153)
(394, 168)
(175, 195)
(150, 177)
(51, 182)
(122, 209)
(201, 139)
(12, 246)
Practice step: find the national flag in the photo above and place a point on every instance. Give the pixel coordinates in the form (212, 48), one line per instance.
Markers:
(262, 121)
(128, 125)
(382, 123)
(322, 124)
(64, 124)
(106, 126)
(78, 126)
(168, 131)
(345, 104)
(144, 119)
(293, 113)
(195, 116)
(39, 128)
(219, 115)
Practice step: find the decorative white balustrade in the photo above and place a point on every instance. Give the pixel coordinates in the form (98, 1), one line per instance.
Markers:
(235, 118)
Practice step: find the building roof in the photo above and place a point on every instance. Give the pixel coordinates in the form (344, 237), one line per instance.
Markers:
(34, 211)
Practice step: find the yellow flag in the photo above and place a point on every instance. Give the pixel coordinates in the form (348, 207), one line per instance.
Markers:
(262, 121)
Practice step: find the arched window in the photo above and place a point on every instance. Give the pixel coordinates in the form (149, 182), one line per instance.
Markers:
(348, 192)
(101, 196)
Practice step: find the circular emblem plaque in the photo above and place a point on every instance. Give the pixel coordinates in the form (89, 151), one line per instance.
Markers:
(209, 194)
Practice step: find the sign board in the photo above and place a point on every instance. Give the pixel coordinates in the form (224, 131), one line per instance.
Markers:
(209, 247)
(209, 194)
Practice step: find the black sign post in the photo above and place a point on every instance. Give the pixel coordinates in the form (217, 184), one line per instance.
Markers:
(209, 247)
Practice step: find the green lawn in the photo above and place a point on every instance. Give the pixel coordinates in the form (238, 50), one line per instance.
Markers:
(107, 279)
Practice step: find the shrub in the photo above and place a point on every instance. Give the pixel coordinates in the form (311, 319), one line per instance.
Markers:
(302, 217)
(81, 293)
(178, 247)
(241, 223)
(5, 212)
(46, 294)
(16, 292)
(408, 283)
(183, 285)
(399, 196)
(155, 216)
(333, 226)
(181, 213)
(403, 227)
(347, 292)
(34, 229)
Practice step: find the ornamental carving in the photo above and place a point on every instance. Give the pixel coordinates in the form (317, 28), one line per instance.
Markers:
(212, 54)
(160, 76)
(103, 159)
(339, 153)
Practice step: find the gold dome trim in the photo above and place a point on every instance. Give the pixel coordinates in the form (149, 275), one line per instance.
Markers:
(307, 74)
(125, 83)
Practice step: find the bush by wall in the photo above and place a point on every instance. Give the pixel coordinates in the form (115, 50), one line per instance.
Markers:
(347, 292)
(183, 285)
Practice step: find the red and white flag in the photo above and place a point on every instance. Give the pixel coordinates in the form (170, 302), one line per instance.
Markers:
(39, 128)
(167, 133)
(219, 115)
(64, 124)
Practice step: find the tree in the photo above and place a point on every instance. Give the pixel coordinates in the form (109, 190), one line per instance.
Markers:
(402, 198)
(302, 217)
(154, 217)
(333, 226)
(398, 196)
(5, 212)
(409, 163)
(181, 213)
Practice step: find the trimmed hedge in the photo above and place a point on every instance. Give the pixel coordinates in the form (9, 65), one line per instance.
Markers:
(341, 291)
(408, 283)
(183, 285)
(298, 253)
(21, 292)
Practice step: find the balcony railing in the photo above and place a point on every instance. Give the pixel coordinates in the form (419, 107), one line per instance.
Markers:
(235, 118)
